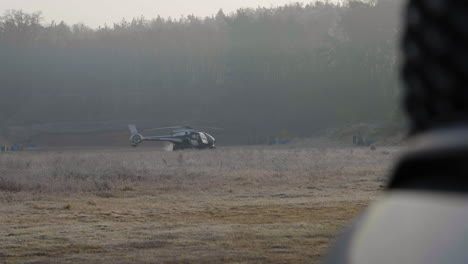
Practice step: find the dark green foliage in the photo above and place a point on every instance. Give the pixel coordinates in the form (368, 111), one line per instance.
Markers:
(296, 67)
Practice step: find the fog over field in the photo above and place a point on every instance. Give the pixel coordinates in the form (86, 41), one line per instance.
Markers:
(302, 98)
(294, 69)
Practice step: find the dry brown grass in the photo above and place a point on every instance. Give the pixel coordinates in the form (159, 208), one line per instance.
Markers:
(238, 205)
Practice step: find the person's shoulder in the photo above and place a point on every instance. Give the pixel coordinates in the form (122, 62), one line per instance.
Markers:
(407, 227)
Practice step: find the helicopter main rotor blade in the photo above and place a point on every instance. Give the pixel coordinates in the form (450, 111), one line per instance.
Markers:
(214, 128)
(161, 128)
(183, 127)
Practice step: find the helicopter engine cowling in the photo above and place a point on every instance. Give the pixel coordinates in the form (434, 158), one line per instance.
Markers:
(136, 139)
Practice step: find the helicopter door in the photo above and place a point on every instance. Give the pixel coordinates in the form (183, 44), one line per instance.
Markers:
(194, 139)
(204, 139)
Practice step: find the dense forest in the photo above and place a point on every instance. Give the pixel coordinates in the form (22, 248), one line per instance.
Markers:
(297, 67)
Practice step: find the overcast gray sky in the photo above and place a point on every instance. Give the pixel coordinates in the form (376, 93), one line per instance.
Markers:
(98, 12)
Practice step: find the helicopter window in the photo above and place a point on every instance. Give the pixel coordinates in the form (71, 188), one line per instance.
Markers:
(179, 134)
(203, 138)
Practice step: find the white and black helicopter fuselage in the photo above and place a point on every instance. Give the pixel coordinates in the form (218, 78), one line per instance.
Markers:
(183, 138)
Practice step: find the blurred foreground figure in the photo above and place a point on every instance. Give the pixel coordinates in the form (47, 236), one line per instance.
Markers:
(423, 217)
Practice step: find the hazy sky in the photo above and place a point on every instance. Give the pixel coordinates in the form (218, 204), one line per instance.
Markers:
(98, 12)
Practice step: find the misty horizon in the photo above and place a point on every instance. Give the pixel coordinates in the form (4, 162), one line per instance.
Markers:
(95, 14)
(292, 69)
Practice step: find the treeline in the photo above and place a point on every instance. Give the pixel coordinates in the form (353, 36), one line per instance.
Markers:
(295, 67)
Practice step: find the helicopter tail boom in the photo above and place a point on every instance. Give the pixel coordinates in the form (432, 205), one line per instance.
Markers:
(136, 138)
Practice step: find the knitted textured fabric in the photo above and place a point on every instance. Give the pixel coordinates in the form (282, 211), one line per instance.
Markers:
(435, 47)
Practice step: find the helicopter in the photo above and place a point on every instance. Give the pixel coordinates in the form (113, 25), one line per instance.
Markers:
(182, 137)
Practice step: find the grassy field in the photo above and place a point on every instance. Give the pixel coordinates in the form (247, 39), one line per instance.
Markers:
(231, 205)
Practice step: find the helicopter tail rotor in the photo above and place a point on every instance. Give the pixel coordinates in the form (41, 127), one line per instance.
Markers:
(133, 129)
(135, 137)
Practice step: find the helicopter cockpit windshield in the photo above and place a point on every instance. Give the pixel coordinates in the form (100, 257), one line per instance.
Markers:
(203, 137)
(210, 138)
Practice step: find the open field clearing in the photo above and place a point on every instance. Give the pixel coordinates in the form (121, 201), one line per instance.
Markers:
(231, 205)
